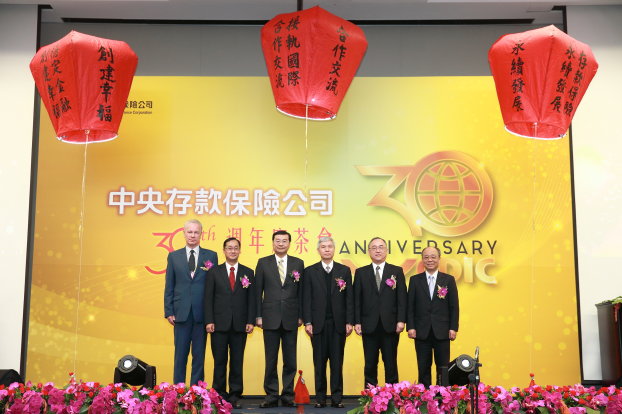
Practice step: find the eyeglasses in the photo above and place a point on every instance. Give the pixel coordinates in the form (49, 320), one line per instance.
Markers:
(377, 248)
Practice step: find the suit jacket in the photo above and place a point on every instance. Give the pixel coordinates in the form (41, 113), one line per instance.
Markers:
(437, 315)
(230, 309)
(183, 292)
(387, 306)
(278, 304)
(315, 296)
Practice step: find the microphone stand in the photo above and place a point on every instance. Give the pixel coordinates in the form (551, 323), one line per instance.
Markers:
(474, 384)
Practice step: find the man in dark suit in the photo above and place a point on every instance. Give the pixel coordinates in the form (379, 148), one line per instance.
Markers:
(184, 304)
(433, 312)
(379, 311)
(328, 314)
(229, 315)
(279, 314)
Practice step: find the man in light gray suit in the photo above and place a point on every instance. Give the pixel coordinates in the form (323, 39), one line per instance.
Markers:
(184, 301)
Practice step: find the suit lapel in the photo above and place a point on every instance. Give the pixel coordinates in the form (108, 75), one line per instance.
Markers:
(274, 268)
(288, 271)
(183, 260)
(372, 278)
(440, 281)
(333, 278)
(385, 276)
(201, 259)
(423, 284)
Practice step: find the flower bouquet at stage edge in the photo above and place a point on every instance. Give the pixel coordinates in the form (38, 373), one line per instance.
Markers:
(407, 398)
(92, 397)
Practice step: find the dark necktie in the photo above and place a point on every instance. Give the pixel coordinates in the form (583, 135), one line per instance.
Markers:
(192, 263)
(232, 277)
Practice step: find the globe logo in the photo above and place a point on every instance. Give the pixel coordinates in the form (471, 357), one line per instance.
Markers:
(448, 193)
(451, 192)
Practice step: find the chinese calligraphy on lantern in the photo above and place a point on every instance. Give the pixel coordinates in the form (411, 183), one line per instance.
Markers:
(107, 80)
(54, 81)
(571, 73)
(516, 70)
(286, 43)
(339, 54)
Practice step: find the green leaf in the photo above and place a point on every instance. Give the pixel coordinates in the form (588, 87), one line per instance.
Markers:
(592, 411)
(357, 410)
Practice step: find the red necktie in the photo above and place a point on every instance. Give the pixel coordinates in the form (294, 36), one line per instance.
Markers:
(232, 277)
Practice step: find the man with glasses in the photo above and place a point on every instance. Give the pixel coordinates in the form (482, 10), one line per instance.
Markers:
(379, 311)
(184, 301)
(279, 314)
(230, 309)
(433, 312)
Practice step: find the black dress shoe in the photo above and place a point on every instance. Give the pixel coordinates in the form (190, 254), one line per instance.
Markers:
(320, 405)
(287, 403)
(235, 404)
(337, 405)
(268, 404)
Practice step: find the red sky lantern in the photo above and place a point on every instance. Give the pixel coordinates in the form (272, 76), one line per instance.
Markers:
(84, 82)
(312, 57)
(541, 76)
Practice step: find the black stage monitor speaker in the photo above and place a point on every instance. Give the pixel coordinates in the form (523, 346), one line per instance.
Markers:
(9, 376)
(459, 370)
(133, 371)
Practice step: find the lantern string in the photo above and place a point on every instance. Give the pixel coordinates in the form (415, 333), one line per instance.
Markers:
(534, 153)
(306, 144)
(81, 240)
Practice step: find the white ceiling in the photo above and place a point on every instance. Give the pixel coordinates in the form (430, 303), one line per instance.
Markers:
(539, 11)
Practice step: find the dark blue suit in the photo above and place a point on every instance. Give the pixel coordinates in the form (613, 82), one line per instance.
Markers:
(184, 298)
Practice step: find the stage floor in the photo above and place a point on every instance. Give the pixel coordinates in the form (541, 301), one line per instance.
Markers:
(251, 405)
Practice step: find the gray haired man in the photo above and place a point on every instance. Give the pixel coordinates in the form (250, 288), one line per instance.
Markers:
(328, 314)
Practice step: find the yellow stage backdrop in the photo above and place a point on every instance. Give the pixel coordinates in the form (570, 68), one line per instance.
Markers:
(414, 160)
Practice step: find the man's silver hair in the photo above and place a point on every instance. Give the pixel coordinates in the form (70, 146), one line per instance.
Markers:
(324, 239)
(193, 221)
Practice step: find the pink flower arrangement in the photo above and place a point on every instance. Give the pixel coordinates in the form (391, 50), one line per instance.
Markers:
(341, 284)
(207, 265)
(441, 292)
(391, 282)
(245, 282)
(407, 398)
(81, 396)
(295, 275)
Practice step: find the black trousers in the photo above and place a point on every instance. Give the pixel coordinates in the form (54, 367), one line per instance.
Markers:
(228, 345)
(287, 340)
(328, 345)
(374, 343)
(424, 348)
